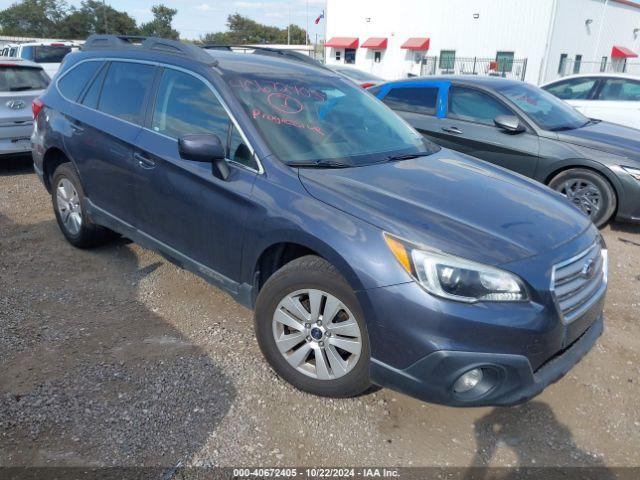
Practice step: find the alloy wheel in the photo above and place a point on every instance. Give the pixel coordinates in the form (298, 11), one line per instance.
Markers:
(68, 203)
(583, 194)
(317, 334)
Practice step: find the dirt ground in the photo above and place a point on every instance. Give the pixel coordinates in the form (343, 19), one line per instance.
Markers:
(114, 356)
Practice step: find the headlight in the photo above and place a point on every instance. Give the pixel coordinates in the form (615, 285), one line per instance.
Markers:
(634, 172)
(456, 278)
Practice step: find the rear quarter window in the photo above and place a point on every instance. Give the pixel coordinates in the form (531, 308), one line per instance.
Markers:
(73, 82)
(18, 79)
(413, 99)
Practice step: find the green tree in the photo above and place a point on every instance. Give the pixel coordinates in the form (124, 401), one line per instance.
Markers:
(160, 26)
(242, 31)
(95, 17)
(33, 18)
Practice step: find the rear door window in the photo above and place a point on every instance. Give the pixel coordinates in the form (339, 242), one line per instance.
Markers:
(573, 89)
(125, 90)
(620, 89)
(73, 82)
(413, 99)
(475, 106)
(20, 79)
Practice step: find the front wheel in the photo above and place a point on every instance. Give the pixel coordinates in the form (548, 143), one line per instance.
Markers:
(311, 329)
(589, 191)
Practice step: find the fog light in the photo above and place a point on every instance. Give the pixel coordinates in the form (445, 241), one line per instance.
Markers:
(468, 381)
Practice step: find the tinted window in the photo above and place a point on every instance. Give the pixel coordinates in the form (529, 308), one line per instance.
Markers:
(125, 89)
(93, 93)
(18, 79)
(574, 89)
(238, 150)
(544, 109)
(475, 106)
(73, 82)
(306, 118)
(186, 105)
(413, 99)
(620, 89)
(45, 53)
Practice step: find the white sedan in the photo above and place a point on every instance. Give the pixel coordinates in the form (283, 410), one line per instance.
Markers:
(614, 97)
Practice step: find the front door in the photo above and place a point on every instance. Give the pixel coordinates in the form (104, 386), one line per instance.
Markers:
(469, 128)
(180, 202)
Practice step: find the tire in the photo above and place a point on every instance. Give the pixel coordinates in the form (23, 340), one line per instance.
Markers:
(589, 191)
(299, 281)
(67, 197)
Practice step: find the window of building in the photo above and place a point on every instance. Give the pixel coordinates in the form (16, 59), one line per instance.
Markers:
(72, 84)
(577, 63)
(474, 106)
(413, 99)
(505, 61)
(377, 56)
(349, 55)
(603, 64)
(447, 59)
(620, 89)
(573, 89)
(186, 105)
(125, 90)
(562, 64)
(338, 52)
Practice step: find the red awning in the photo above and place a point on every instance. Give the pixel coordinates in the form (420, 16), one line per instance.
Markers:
(342, 42)
(622, 52)
(416, 43)
(376, 43)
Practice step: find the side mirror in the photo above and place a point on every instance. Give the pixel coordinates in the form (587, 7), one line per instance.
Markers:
(205, 147)
(510, 123)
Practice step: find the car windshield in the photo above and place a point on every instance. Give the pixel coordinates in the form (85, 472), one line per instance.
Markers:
(359, 75)
(17, 79)
(313, 119)
(547, 111)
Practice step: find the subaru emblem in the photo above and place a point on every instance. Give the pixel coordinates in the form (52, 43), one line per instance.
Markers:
(588, 269)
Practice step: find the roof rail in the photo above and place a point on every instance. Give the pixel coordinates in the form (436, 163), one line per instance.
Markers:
(268, 51)
(154, 44)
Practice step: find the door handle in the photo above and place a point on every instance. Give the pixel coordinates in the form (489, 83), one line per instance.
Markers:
(455, 130)
(143, 161)
(76, 127)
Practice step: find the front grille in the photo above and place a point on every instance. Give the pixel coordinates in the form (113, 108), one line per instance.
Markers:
(579, 282)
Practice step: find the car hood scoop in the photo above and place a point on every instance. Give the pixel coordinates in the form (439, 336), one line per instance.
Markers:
(454, 203)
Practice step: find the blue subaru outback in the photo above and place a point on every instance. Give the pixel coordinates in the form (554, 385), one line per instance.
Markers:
(370, 255)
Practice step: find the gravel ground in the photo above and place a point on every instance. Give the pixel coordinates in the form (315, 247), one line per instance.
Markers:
(114, 356)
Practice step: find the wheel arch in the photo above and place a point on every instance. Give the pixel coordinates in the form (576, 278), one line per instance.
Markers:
(288, 247)
(52, 159)
(586, 165)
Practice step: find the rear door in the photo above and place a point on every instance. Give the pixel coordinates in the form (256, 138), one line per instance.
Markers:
(19, 86)
(418, 105)
(180, 203)
(103, 125)
(618, 101)
(469, 128)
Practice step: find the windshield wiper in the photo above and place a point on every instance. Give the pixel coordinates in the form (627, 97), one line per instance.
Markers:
(406, 156)
(319, 164)
(563, 128)
(21, 87)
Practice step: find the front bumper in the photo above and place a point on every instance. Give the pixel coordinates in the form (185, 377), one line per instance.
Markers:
(513, 379)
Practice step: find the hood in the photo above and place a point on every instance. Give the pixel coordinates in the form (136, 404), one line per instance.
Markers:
(606, 137)
(454, 203)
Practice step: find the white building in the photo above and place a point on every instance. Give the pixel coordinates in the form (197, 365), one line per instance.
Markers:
(536, 40)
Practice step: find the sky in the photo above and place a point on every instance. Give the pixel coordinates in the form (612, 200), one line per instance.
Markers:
(197, 17)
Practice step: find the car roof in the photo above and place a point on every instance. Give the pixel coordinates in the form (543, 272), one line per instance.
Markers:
(19, 62)
(598, 75)
(483, 81)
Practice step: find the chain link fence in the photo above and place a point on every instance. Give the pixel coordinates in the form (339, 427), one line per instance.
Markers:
(505, 67)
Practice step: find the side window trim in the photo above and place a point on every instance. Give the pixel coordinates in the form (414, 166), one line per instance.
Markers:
(233, 121)
(490, 95)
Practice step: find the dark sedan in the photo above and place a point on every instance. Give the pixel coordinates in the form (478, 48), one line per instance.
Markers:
(518, 126)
